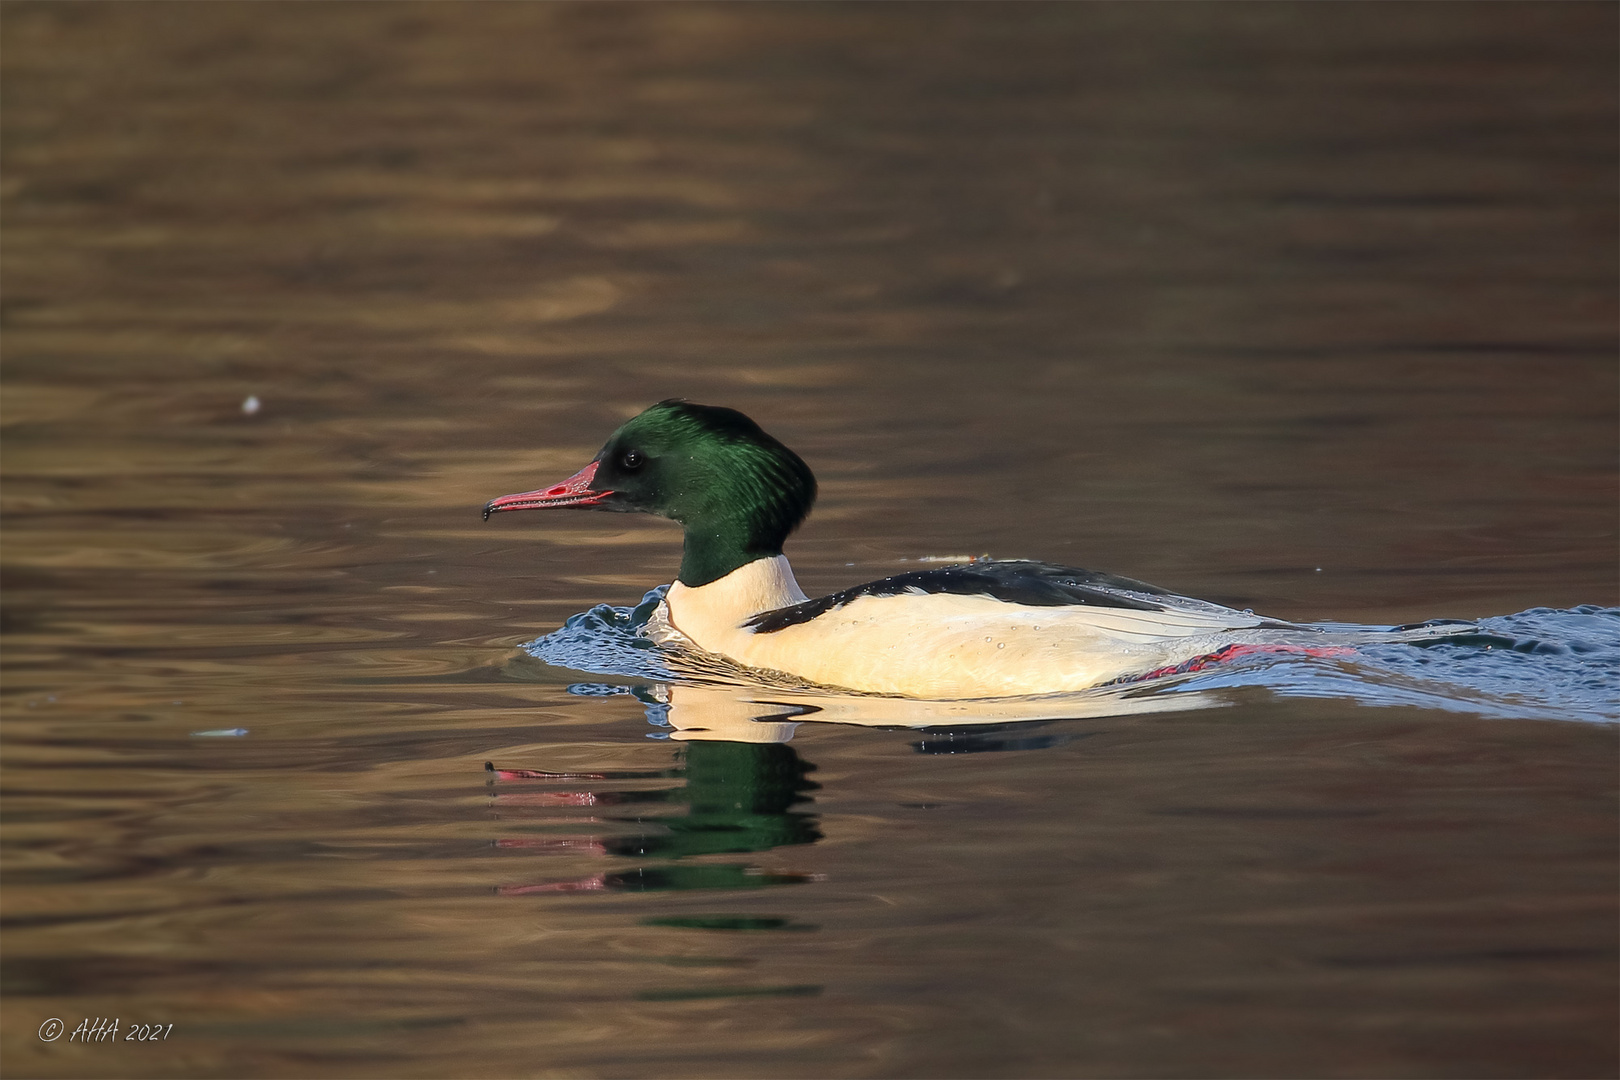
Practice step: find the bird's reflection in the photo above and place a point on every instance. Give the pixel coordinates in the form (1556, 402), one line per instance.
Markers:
(741, 712)
(732, 797)
(736, 786)
(994, 738)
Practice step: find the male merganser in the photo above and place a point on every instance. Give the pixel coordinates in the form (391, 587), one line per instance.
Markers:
(984, 629)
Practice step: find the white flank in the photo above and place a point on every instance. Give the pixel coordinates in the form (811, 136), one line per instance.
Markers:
(939, 645)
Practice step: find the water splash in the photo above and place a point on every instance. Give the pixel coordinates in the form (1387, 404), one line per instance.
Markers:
(607, 640)
(1544, 663)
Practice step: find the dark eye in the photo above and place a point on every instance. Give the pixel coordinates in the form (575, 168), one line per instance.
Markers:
(631, 460)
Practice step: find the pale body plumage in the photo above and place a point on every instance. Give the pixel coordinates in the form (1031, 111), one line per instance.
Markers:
(941, 645)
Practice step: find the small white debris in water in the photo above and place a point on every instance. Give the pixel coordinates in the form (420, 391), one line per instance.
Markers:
(1318, 569)
(221, 733)
(251, 405)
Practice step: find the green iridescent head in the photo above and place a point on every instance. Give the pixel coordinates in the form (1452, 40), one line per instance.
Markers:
(737, 491)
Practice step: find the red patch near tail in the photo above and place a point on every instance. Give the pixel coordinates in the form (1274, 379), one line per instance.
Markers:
(1234, 652)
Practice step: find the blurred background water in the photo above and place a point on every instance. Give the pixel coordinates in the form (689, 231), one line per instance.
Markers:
(1305, 308)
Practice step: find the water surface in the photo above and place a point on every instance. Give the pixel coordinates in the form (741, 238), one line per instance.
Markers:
(1300, 308)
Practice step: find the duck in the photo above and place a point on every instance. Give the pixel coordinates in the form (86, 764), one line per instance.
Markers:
(982, 629)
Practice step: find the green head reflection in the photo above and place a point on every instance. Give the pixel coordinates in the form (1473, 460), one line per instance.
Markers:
(730, 798)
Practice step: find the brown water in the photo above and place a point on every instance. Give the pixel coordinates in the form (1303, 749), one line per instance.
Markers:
(1309, 309)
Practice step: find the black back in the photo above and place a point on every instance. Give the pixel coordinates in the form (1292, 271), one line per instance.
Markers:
(1033, 584)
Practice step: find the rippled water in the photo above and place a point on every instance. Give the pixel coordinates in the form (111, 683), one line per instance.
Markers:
(1309, 309)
